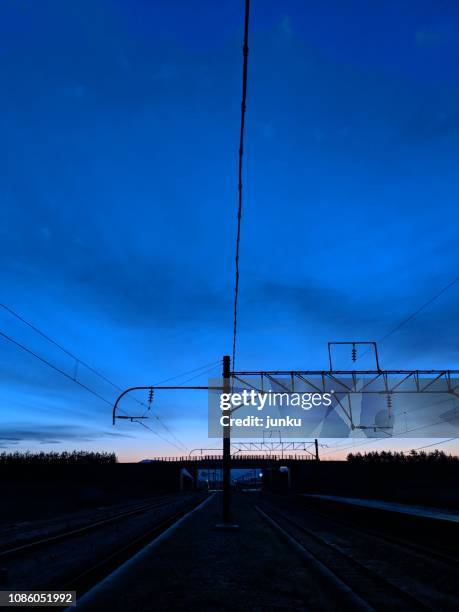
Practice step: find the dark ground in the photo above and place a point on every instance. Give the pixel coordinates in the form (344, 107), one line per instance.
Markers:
(199, 568)
(34, 492)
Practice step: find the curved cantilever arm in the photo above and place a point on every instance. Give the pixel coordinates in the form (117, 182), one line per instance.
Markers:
(126, 391)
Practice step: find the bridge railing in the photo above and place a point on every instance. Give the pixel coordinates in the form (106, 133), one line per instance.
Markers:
(236, 458)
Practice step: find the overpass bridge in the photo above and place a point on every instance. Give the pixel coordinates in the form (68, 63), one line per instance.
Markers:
(279, 471)
(238, 461)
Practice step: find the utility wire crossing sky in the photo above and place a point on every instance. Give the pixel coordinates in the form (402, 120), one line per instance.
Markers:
(118, 188)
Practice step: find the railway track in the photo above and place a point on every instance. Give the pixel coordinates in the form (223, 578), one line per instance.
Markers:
(23, 532)
(356, 585)
(79, 558)
(441, 555)
(94, 573)
(9, 551)
(446, 555)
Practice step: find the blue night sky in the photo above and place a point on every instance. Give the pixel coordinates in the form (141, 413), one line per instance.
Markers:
(120, 127)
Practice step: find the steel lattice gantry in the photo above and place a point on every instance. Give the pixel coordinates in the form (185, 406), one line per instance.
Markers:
(346, 384)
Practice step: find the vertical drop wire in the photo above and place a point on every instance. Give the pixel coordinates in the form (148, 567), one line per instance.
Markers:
(245, 52)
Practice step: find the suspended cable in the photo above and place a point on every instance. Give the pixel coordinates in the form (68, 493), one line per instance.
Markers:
(411, 316)
(435, 443)
(376, 440)
(245, 52)
(158, 434)
(213, 367)
(51, 365)
(87, 387)
(203, 367)
(90, 368)
(420, 309)
(202, 370)
(59, 346)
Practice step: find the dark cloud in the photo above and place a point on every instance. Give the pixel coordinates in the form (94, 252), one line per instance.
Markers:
(118, 177)
(130, 288)
(11, 435)
(353, 316)
(432, 37)
(317, 304)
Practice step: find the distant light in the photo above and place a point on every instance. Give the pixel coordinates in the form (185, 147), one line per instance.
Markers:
(260, 474)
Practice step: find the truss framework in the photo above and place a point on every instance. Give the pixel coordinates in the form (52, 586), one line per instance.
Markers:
(273, 447)
(354, 381)
(347, 383)
(269, 447)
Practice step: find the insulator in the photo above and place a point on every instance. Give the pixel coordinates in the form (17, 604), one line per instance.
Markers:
(354, 353)
(150, 397)
(389, 401)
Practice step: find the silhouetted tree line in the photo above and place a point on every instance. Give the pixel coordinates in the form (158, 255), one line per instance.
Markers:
(64, 458)
(413, 456)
